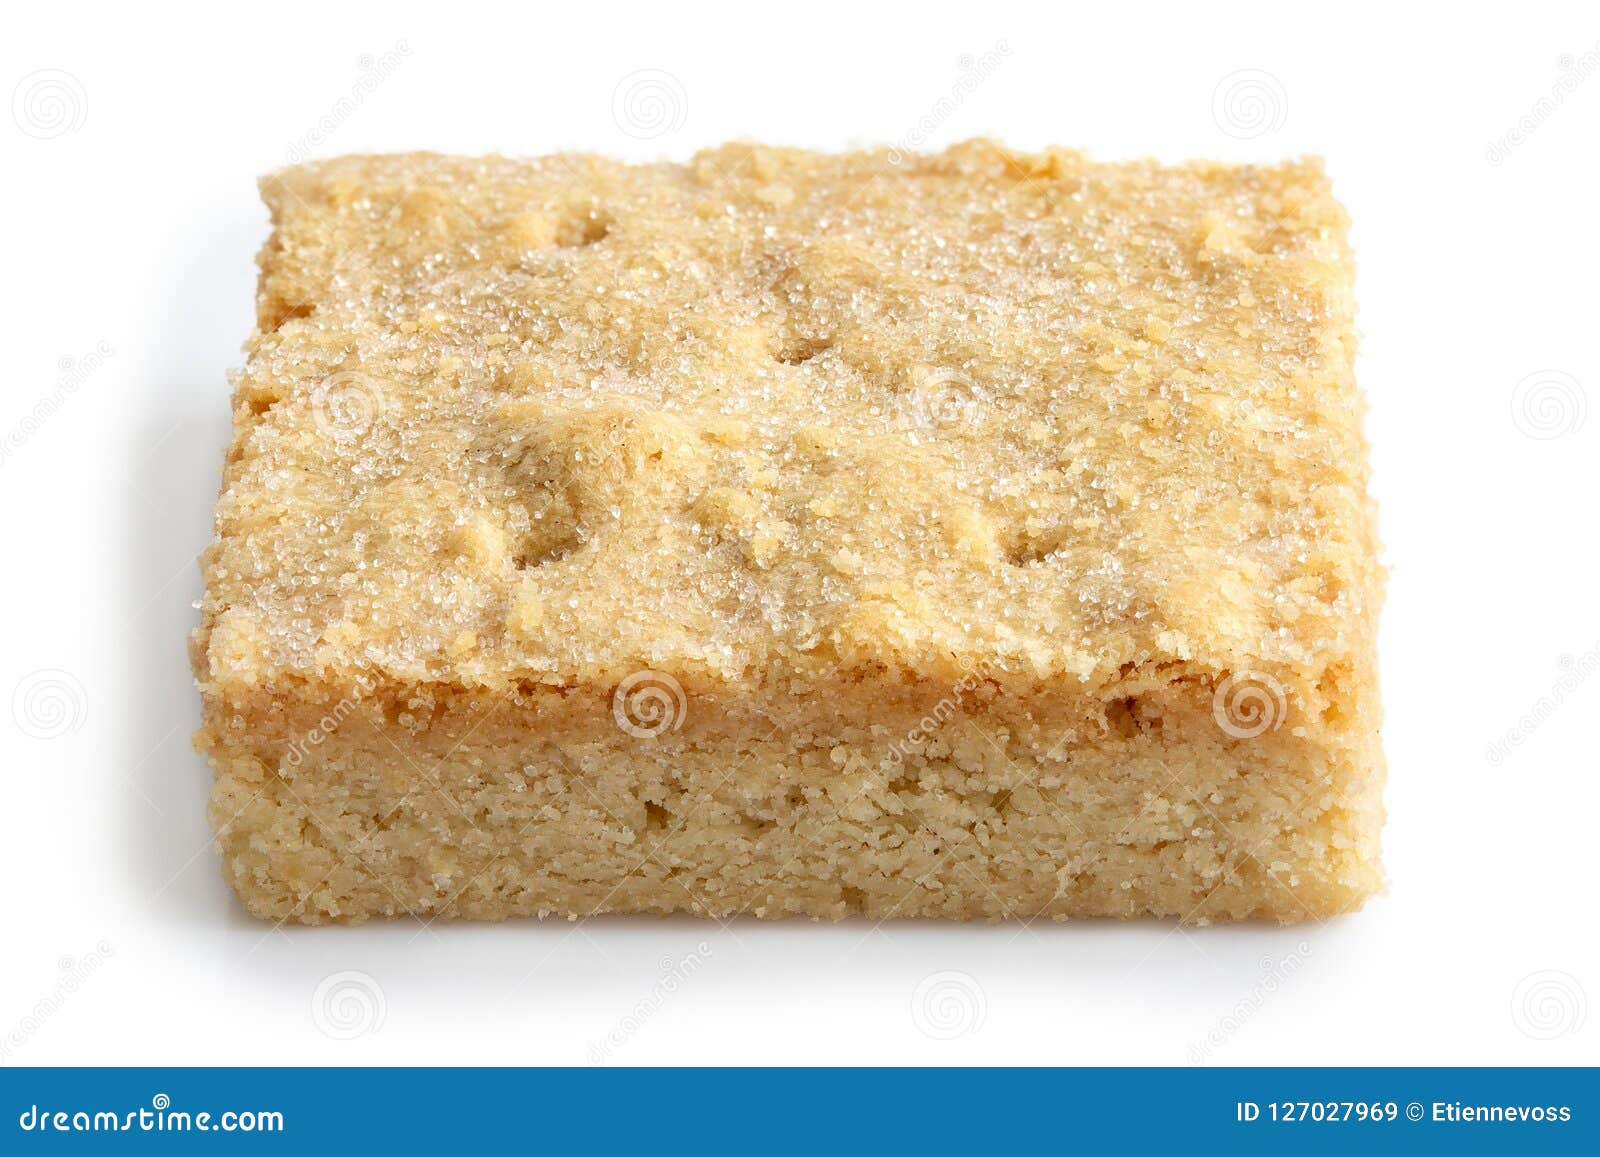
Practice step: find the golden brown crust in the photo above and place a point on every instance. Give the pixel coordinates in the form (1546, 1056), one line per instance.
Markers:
(873, 797)
(813, 438)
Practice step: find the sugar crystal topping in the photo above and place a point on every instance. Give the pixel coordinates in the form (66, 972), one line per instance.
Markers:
(773, 410)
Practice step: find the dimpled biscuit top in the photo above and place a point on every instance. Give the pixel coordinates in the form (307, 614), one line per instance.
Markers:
(780, 411)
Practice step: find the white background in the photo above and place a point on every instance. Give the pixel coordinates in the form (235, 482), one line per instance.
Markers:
(130, 223)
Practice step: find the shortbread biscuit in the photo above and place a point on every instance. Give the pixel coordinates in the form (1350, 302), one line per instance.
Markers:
(977, 534)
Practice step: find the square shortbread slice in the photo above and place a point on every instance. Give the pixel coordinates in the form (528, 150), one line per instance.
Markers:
(977, 534)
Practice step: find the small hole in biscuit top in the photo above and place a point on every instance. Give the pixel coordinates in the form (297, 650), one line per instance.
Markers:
(1032, 548)
(798, 351)
(261, 401)
(541, 553)
(584, 229)
(1126, 717)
